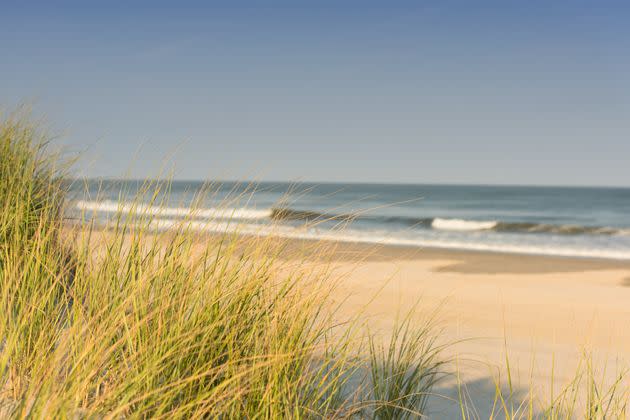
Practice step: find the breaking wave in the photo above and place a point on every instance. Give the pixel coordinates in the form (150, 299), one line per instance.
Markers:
(460, 225)
(109, 206)
(288, 214)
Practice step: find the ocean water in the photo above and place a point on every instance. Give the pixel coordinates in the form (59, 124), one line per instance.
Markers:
(575, 222)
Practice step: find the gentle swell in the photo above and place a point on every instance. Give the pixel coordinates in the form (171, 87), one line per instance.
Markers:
(559, 229)
(518, 227)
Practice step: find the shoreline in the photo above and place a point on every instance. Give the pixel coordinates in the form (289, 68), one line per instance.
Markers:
(349, 251)
(372, 251)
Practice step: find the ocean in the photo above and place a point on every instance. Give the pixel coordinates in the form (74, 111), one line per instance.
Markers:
(561, 221)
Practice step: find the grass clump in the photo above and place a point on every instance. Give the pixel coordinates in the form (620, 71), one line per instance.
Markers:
(35, 269)
(404, 372)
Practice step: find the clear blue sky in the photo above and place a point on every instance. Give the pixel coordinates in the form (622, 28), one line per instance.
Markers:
(525, 92)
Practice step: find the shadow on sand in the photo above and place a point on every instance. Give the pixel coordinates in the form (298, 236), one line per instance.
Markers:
(476, 399)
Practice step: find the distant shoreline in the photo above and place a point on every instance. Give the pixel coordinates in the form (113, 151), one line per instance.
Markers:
(471, 261)
(462, 260)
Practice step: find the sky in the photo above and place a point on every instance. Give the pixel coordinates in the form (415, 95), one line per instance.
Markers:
(506, 92)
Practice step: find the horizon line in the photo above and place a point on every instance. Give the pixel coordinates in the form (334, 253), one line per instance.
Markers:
(401, 183)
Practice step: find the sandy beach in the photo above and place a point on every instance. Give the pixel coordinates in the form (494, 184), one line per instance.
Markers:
(543, 314)
(545, 311)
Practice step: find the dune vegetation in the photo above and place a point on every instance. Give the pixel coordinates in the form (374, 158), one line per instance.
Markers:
(126, 321)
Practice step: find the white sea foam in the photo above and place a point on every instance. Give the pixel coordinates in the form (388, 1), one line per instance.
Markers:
(383, 238)
(109, 206)
(462, 225)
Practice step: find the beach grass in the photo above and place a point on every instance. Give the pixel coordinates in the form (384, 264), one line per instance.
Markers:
(133, 321)
(590, 394)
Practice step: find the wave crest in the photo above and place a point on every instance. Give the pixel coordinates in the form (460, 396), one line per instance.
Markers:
(462, 225)
(109, 206)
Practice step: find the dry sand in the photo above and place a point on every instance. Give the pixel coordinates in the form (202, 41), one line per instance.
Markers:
(545, 311)
(540, 311)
